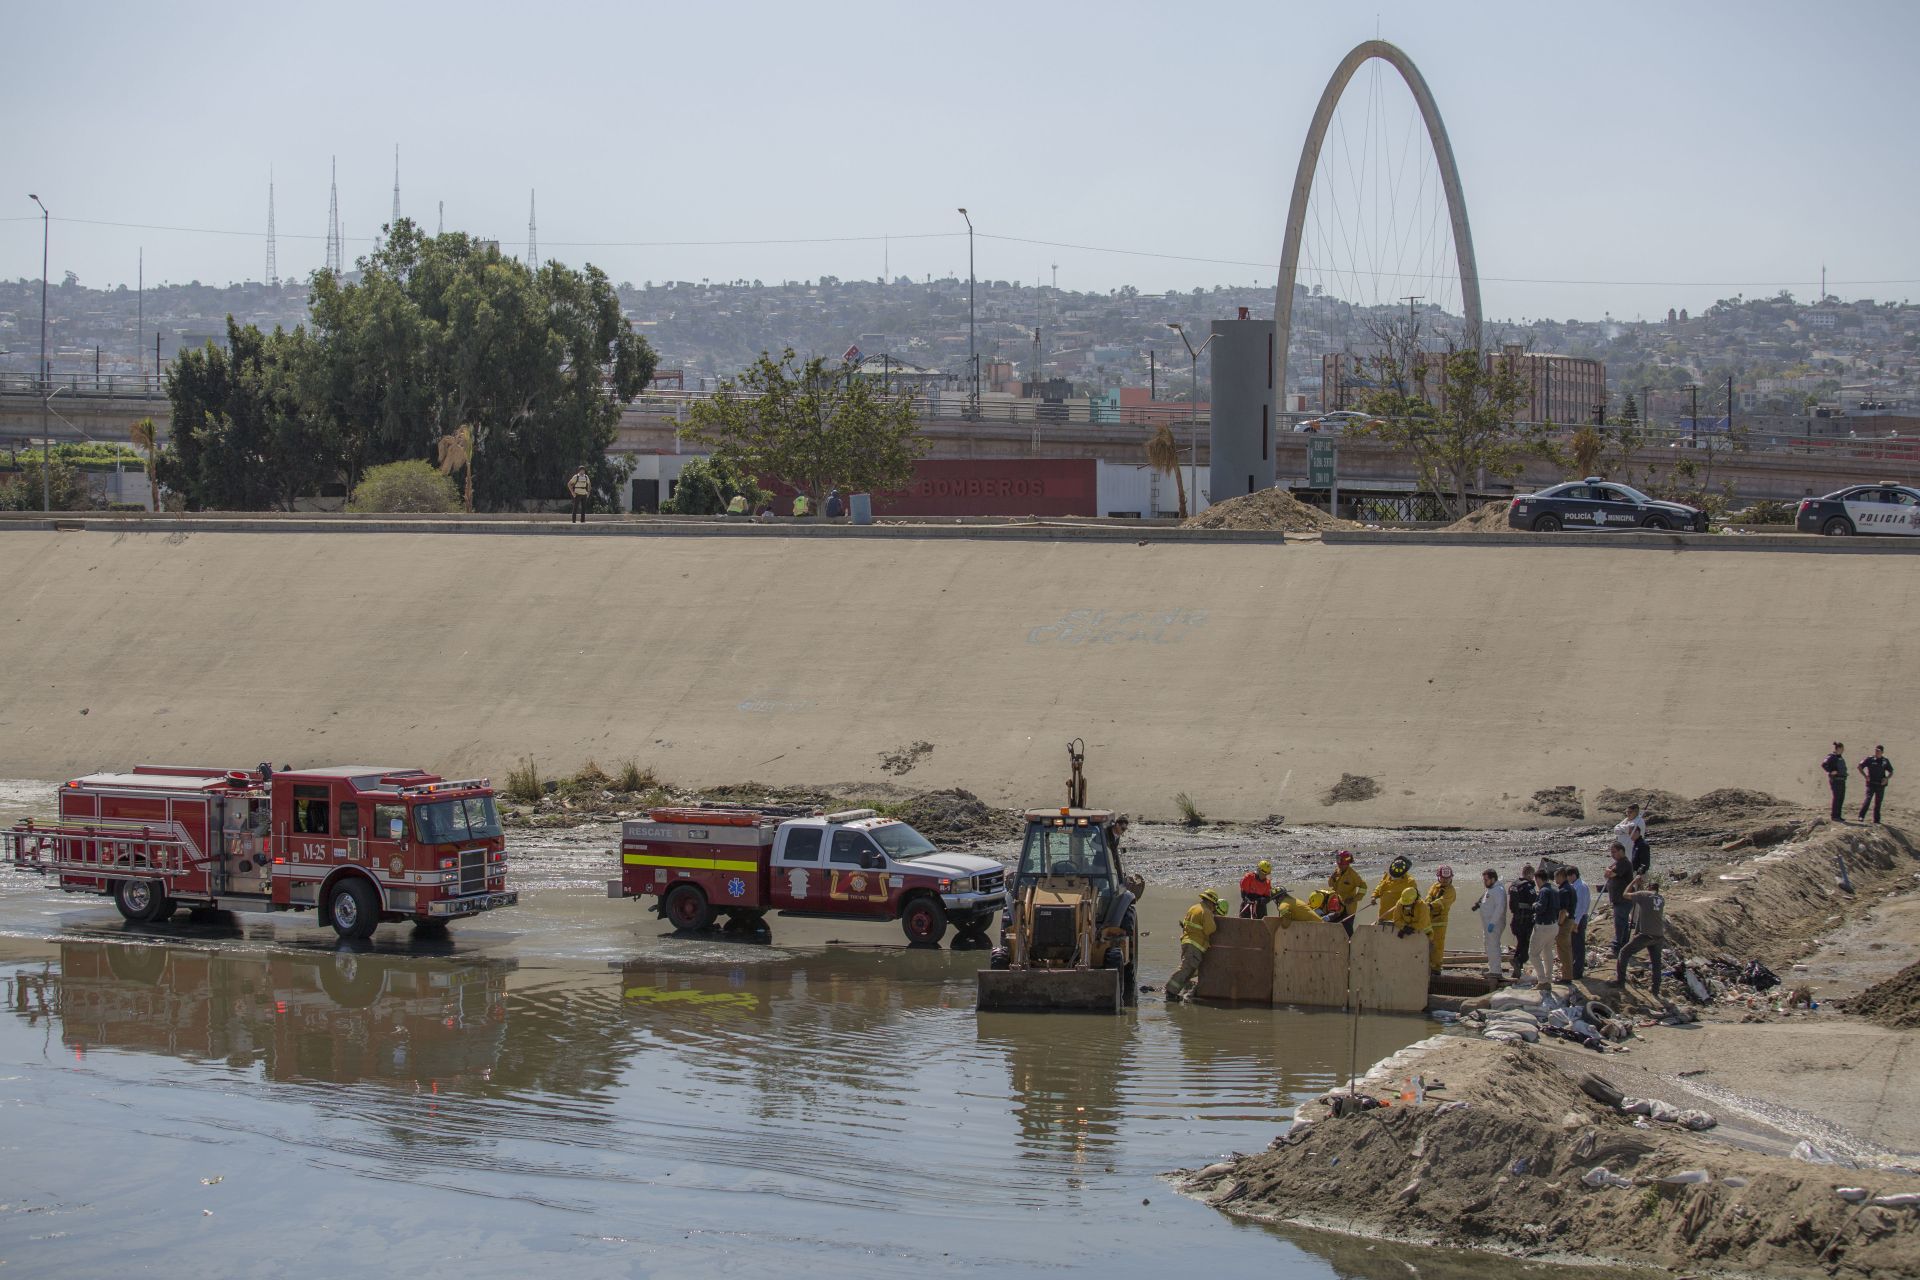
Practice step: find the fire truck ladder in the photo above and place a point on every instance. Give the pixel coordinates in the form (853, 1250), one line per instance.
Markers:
(102, 848)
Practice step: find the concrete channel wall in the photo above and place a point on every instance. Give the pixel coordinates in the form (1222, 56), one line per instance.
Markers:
(1250, 674)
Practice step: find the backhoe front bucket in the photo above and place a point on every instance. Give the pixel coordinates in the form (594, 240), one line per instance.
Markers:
(1095, 990)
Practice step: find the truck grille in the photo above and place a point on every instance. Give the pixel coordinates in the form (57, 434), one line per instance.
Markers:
(992, 882)
(473, 871)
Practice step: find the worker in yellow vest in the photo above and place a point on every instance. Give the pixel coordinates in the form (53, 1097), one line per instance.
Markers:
(1407, 916)
(1196, 935)
(1439, 905)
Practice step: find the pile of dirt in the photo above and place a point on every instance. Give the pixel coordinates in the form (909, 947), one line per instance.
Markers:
(956, 817)
(1717, 815)
(1559, 802)
(1499, 1157)
(1351, 787)
(1893, 1003)
(1491, 518)
(1267, 509)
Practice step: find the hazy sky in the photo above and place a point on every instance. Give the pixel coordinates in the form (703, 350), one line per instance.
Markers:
(1658, 154)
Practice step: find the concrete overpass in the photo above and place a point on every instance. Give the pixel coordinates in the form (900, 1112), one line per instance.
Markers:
(1777, 467)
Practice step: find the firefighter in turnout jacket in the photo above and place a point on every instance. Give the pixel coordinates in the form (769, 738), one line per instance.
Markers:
(1196, 935)
(1407, 915)
(1439, 907)
(1396, 882)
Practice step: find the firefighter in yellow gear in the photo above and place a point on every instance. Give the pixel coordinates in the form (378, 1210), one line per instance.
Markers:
(1393, 885)
(1407, 916)
(1439, 905)
(1345, 882)
(1196, 935)
(1290, 908)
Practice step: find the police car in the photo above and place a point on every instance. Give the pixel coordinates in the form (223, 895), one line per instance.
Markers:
(1598, 504)
(1863, 508)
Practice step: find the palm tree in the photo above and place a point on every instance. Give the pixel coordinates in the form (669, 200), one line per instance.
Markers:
(143, 435)
(1163, 455)
(456, 451)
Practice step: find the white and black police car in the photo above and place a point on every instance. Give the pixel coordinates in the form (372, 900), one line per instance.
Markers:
(1596, 504)
(1862, 508)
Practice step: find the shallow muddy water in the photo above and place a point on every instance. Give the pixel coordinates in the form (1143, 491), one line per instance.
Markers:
(566, 1084)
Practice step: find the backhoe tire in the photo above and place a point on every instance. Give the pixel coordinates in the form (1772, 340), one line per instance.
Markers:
(687, 909)
(924, 921)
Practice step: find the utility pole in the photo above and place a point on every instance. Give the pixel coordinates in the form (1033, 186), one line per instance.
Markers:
(46, 448)
(973, 354)
(140, 313)
(1693, 421)
(1729, 409)
(1193, 409)
(273, 256)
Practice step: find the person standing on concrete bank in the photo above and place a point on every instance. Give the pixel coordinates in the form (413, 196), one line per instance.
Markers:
(1649, 930)
(1835, 766)
(1620, 874)
(835, 507)
(1876, 769)
(1582, 908)
(1546, 928)
(1563, 938)
(1440, 899)
(1522, 898)
(1196, 935)
(581, 487)
(1631, 831)
(1347, 886)
(1492, 910)
(1256, 890)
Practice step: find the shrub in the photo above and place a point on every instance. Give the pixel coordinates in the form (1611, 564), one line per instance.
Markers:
(1189, 811)
(633, 778)
(1766, 511)
(589, 777)
(21, 490)
(523, 781)
(706, 485)
(411, 486)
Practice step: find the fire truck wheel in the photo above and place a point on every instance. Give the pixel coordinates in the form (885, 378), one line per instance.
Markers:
(687, 908)
(137, 964)
(349, 981)
(925, 922)
(142, 901)
(355, 909)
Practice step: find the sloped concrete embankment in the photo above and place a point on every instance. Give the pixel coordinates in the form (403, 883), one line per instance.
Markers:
(1460, 679)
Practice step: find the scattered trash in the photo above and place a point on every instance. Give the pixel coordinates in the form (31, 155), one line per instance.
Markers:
(1735, 1181)
(1904, 1200)
(1523, 1165)
(1695, 1119)
(1686, 1178)
(1812, 1153)
(1601, 1176)
(1852, 1195)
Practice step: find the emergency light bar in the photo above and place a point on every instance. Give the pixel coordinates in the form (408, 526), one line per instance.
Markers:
(851, 815)
(464, 784)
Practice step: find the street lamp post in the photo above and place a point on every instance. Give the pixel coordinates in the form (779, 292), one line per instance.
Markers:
(46, 480)
(973, 354)
(1693, 418)
(1193, 407)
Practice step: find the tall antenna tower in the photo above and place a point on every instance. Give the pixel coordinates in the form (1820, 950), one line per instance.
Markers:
(396, 189)
(273, 257)
(442, 228)
(333, 220)
(533, 237)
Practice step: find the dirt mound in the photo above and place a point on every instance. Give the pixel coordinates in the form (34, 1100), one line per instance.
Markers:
(1495, 1159)
(1267, 509)
(1716, 812)
(1351, 787)
(956, 817)
(1559, 802)
(1491, 518)
(1893, 1003)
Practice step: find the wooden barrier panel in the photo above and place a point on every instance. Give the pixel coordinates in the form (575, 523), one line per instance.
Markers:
(1310, 965)
(1239, 963)
(1389, 973)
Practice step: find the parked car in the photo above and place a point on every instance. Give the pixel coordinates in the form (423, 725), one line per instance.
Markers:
(1862, 508)
(1334, 423)
(1600, 505)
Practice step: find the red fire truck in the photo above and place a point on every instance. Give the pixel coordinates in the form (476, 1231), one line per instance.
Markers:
(702, 863)
(359, 844)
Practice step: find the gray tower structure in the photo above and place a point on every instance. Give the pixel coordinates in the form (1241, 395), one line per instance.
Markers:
(1245, 396)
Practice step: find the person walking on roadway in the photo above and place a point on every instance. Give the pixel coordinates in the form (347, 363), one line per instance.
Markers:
(1256, 891)
(580, 485)
(1440, 899)
(1196, 934)
(1491, 907)
(1386, 894)
(1835, 767)
(1546, 929)
(1876, 769)
(1521, 901)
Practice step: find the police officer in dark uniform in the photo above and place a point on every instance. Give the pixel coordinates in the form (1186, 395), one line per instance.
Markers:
(1836, 768)
(1521, 901)
(1876, 769)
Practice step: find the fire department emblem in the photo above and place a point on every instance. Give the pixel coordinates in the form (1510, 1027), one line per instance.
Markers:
(396, 864)
(857, 884)
(797, 883)
(736, 888)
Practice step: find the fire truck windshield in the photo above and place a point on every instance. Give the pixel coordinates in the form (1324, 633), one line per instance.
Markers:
(451, 821)
(901, 841)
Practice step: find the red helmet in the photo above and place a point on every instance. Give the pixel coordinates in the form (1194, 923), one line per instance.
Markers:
(1343, 858)
(1445, 873)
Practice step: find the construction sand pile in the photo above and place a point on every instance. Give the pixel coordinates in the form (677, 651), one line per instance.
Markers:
(1506, 1153)
(1490, 518)
(1268, 509)
(1893, 1003)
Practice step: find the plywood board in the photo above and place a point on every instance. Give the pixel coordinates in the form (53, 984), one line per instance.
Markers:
(1310, 965)
(1389, 972)
(1239, 964)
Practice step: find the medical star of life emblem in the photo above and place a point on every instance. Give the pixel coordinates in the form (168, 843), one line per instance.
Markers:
(736, 888)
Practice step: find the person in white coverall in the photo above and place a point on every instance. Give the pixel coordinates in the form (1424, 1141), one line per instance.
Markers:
(1492, 909)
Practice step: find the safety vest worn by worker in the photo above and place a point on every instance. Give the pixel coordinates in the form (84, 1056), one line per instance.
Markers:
(1197, 929)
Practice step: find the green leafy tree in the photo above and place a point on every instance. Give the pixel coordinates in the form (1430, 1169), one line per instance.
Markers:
(707, 485)
(810, 427)
(1588, 446)
(20, 485)
(1456, 423)
(410, 486)
(244, 438)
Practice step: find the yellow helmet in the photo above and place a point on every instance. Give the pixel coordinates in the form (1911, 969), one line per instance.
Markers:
(1212, 899)
(1265, 868)
(1317, 899)
(1409, 896)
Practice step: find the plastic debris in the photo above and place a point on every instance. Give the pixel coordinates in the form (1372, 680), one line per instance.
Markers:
(1601, 1176)
(1735, 1181)
(1520, 1166)
(1904, 1200)
(1852, 1195)
(1812, 1153)
(1686, 1178)
(1695, 1119)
